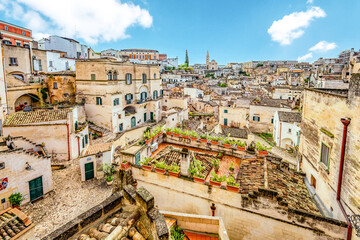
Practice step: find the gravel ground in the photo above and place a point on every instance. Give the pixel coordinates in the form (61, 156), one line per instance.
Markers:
(69, 198)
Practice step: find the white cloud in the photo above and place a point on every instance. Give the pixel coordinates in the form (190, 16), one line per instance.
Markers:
(323, 46)
(305, 57)
(91, 20)
(292, 26)
(310, 1)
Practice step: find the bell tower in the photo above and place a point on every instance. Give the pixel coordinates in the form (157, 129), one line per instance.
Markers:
(207, 60)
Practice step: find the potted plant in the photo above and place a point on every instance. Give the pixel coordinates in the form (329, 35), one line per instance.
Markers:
(169, 131)
(195, 170)
(173, 170)
(203, 138)
(231, 184)
(125, 165)
(185, 134)
(214, 140)
(108, 173)
(148, 137)
(216, 179)
(219, 155)
(193, 135)
(146, 163)
(215, 163)
(262, 148)
(231, 167)
(160, 166)
(177, 132)
(227, 142)
(240, 145)
(15, 200)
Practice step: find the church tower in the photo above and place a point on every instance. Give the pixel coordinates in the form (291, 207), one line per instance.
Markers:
(207, 59)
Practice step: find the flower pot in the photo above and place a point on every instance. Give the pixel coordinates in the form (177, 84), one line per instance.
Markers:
(148, 141)
(200, 180)
(147, 167)
(174, 174)
(177, 134)
(263, 152)
(232, 188)
(155, 137)
(125, 165)
(193, 138)
(216, 169)
(159, 170)
(184, 136)
(169, 133)
(203, 140)
(214, 183)
(226, 145)
(159, 134)
(17, 207)
(214, 143)
(109, 183)
(241, 148)
(224, 126)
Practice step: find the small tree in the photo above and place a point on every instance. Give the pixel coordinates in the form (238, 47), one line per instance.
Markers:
(15, 199)
(108, 172)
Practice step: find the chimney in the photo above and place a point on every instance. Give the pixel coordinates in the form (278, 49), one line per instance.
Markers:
(185, 162)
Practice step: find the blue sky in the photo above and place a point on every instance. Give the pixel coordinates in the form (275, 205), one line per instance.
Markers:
(232, 31)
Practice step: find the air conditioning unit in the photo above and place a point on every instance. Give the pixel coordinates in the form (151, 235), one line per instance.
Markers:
(154, 147)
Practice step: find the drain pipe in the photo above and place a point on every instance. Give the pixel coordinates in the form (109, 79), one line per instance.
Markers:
(346, 122)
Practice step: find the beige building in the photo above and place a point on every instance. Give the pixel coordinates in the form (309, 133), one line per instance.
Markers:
(234, 116)
(118, 95)
(24, 167)
(325, 114)
(141, 54)
(3, 92)
(63, 132)
(262, 114)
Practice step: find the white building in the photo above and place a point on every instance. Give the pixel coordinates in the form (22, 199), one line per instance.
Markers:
(286, 130)
(194, 92)
(287, 92)
(72, 47)
(56, 63)
(174, 78)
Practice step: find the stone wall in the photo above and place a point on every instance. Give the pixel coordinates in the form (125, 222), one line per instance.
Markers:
(264, 219)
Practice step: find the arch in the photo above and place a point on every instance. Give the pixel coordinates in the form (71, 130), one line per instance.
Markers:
(287, 143)
(129, 110)
(110, 76)
(115, 75)
(26, 102)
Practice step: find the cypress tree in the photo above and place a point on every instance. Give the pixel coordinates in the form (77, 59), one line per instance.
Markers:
(187, 58)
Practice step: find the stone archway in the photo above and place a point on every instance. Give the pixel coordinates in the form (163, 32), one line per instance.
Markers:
(26, 102)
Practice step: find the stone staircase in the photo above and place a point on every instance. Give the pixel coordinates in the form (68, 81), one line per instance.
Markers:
(107, 135)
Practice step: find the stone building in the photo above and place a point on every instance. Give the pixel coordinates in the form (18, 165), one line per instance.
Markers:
(61, 86)
(286, 131)
(118, 95)
(325, 117)
(64, 132)
(24, 167)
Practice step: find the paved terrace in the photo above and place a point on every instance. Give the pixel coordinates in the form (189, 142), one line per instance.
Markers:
(253, 173)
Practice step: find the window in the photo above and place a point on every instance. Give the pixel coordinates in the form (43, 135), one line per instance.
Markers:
(6, 28)
(225, 111)
(154, 75)
(109, 76)
(120, 127)
(289, 130)
(272, 120)
(128, 98)
(6, 42)
(98, 101)
(55, 85)
(2, 165)
(325, 154)
(161, 92)
(155, 94)
(143, 78)
(115, 76)
(128, 78)
(50, 63)
(83, 142)
(145, 117)
(86, 139)
(116, 101)
(13, 61)
(313, 181)
(93, 76)
(18, 44)
(23, 33)
(256, 118)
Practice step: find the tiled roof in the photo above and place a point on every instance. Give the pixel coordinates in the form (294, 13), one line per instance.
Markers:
(235, 132)
(25, 118)
(289, 116)
(101, 147)
(13, 223)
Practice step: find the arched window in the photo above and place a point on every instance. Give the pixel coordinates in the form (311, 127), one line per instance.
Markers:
(143, 78)
(155, 94)
(133, 122)
(143, 96)
(154, 75)
(109, 75)
(128, 78)
(115, 74)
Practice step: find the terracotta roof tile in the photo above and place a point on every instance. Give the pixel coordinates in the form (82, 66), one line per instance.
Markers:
(25, 118)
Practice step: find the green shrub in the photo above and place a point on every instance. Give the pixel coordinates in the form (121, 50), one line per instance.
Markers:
(15, 199)
(217, 178)
(262, 147)
(173, 168)
(160, 164)
(146, 161)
